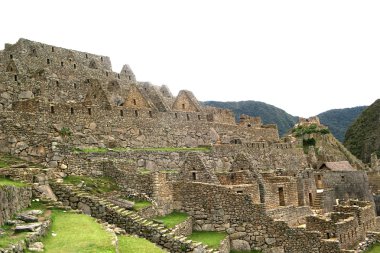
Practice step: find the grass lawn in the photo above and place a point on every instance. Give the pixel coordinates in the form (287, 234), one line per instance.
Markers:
(77, 233)
(210, 238)
(172, 219)
(134, 244)
(97, 184)
(374, 249)
(6, 181)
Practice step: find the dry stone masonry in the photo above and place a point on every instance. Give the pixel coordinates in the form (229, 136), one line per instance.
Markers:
(69, 111)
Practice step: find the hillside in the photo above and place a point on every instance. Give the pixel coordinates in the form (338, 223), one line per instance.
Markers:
(363, 136)
(268, 113)
(338, 120)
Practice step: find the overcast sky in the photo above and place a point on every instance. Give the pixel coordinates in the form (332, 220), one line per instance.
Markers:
(303, 56)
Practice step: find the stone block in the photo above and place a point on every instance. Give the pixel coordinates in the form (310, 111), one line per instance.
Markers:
(240, 245)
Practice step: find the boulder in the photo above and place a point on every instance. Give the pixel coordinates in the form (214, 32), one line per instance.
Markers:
(36, 247)
(85, 208)
(240, 245)
(46, 192)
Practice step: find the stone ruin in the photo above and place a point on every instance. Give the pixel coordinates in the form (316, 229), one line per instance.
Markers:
(242, 178)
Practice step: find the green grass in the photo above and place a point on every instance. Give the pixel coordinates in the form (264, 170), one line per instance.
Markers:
(90, 150)
(210, 238)
(77, 233)
(144, 171)
(97, 184)
(9, 182)
(7, 160)
(163, 149)
(10, 237)
(251, 251)
(171, 220)
(374, 249)
(135, 244)
(139, 204)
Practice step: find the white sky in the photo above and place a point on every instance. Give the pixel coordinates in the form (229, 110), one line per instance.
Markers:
(303, 56)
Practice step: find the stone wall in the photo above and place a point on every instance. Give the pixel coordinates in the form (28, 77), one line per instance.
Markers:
(185, 228)
(307, 190)
(348, 184)
(221, 209)
(292, 215)
(280, 191)
(36, 141)
(363, 210)
(341, 227)
(225, 245)
(128, 220)
(13, 199)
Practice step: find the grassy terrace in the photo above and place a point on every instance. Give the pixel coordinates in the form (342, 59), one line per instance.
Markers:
(139, 204)
(79, 233)
(72, 233)
(93, 184)
(7, 160)
(9, 182)
(171, 220)
(210, 238)
(164, 149)
(134, 244)
(374, 249)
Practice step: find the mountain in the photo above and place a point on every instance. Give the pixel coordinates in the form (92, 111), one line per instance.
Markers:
(363, 136)
(338, 120)
(269, 114)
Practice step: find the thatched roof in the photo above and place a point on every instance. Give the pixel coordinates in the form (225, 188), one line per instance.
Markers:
(337, 166)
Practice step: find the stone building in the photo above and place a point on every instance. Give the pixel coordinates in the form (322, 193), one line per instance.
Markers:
(267, 193)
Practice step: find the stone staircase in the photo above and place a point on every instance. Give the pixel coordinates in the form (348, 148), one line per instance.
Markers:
(130, 221)
(317, 204)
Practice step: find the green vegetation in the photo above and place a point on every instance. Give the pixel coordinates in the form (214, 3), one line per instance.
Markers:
(144, 171)
(363, 136)
(139, 204)
(7, 160)
(251, 251)
(210, 238)
(374, 249)
(301, 130)
(269, 114)
(76, 233)
(9, 182)
(163, 149)
(65, 132)
(135, 244)
(338, 120)
(90, 150)
(171, 220)
(10, 237)
(93, 184)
